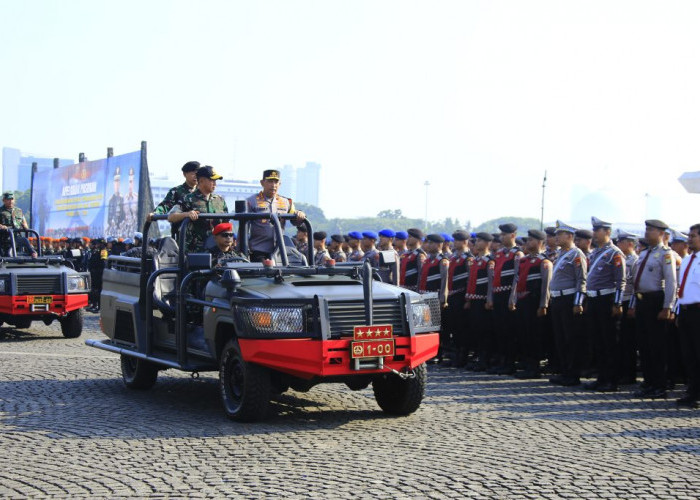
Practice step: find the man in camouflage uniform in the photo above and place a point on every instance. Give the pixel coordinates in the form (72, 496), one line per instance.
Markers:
(177, 194)
(201, 201)
(225, 240)
(11, 217)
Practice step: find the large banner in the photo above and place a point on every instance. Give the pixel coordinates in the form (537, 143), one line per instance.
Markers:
(94, 198)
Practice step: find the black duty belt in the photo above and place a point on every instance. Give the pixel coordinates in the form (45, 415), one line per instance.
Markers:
(686, 307)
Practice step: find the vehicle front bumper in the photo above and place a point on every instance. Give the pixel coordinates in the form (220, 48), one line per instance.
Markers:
(308, 358)
(20, 305)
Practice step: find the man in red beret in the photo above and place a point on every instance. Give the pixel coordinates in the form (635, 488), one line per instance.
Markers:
(225, 243)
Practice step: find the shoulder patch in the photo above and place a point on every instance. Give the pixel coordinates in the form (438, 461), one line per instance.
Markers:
(492, 264)
(617, 260)
(668, 258)
(577, 261)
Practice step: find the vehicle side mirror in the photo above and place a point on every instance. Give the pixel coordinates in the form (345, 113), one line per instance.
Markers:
(387, 257)
(230, 279)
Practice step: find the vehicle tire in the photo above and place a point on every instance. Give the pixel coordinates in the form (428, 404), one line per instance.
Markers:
(72, 324)
(397, 396)
(138, 373)
(245, 387)
(23, 323)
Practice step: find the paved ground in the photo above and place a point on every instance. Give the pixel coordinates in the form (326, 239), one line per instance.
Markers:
(68, 427)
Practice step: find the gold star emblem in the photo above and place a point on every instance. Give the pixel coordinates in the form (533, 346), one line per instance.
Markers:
(360, 333)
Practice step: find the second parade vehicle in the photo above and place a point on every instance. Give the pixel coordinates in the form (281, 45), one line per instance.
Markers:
(39, 287)
(266, 327)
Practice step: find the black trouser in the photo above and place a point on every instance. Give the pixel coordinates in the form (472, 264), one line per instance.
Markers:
(651, 337)
(567, 335)
(480, 323)
(626, 346)
(504, 329)
(689, 327)
(530, 329)
(457, 322)
(674, 357)
(601, 330)
(95, 288)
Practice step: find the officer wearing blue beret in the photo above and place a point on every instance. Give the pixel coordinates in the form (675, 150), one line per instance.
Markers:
(355, 253)
(400, 242)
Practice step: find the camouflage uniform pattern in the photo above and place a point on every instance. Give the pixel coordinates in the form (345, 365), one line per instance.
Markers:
(217, 255)
(199, 230)
(174, 197)
(12, 217)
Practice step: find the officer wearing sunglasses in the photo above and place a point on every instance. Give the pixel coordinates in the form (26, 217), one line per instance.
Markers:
(225, 243)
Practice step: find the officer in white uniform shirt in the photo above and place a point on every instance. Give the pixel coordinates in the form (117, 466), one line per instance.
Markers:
(689, 317)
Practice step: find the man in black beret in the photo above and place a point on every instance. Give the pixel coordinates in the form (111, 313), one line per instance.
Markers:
(176, 195)
(433, 275)
(335, 248)
(455, 317)
(505, 261)
(551, 248)
(301, 239)
(321, 254)
(529, 298)
(479, 317)
(411, 260)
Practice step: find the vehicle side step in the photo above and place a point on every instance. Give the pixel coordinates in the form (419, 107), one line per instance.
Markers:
(109, 345)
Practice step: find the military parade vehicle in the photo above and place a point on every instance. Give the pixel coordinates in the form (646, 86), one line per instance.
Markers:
(266, 327)
(37, 287)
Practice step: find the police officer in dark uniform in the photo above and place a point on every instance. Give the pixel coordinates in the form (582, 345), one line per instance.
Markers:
(652, 305)
(96, 266)
(529, 299)
(479, 283)
(505, 261)
(411, 260)
(605, 286)
(455, 316)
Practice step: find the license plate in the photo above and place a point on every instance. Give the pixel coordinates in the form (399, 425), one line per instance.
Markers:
(39, 299)
(372, 341)
(372, 348)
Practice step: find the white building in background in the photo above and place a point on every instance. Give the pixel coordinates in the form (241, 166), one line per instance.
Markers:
(301, 183)
(17, 168)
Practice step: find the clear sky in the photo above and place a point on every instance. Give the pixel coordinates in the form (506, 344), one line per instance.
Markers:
(477, 97)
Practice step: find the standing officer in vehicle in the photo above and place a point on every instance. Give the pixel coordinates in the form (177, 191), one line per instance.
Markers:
(605, 287)
(176, 195)
(567, 291)
(262, 234)
(652, 305)
(11, 217)
(202, 200)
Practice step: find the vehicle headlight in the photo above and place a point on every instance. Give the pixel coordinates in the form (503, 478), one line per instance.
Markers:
(77, 284)
(274, 320)
(422, 318)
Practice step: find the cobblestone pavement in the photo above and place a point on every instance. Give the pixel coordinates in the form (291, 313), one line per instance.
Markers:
(68, 427)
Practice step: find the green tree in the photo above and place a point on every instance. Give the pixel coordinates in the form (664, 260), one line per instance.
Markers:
(23, 200)
(314, 213)
(523, 223)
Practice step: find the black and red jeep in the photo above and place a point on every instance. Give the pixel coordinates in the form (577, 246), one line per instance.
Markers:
(266, 327)
(36, 287)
